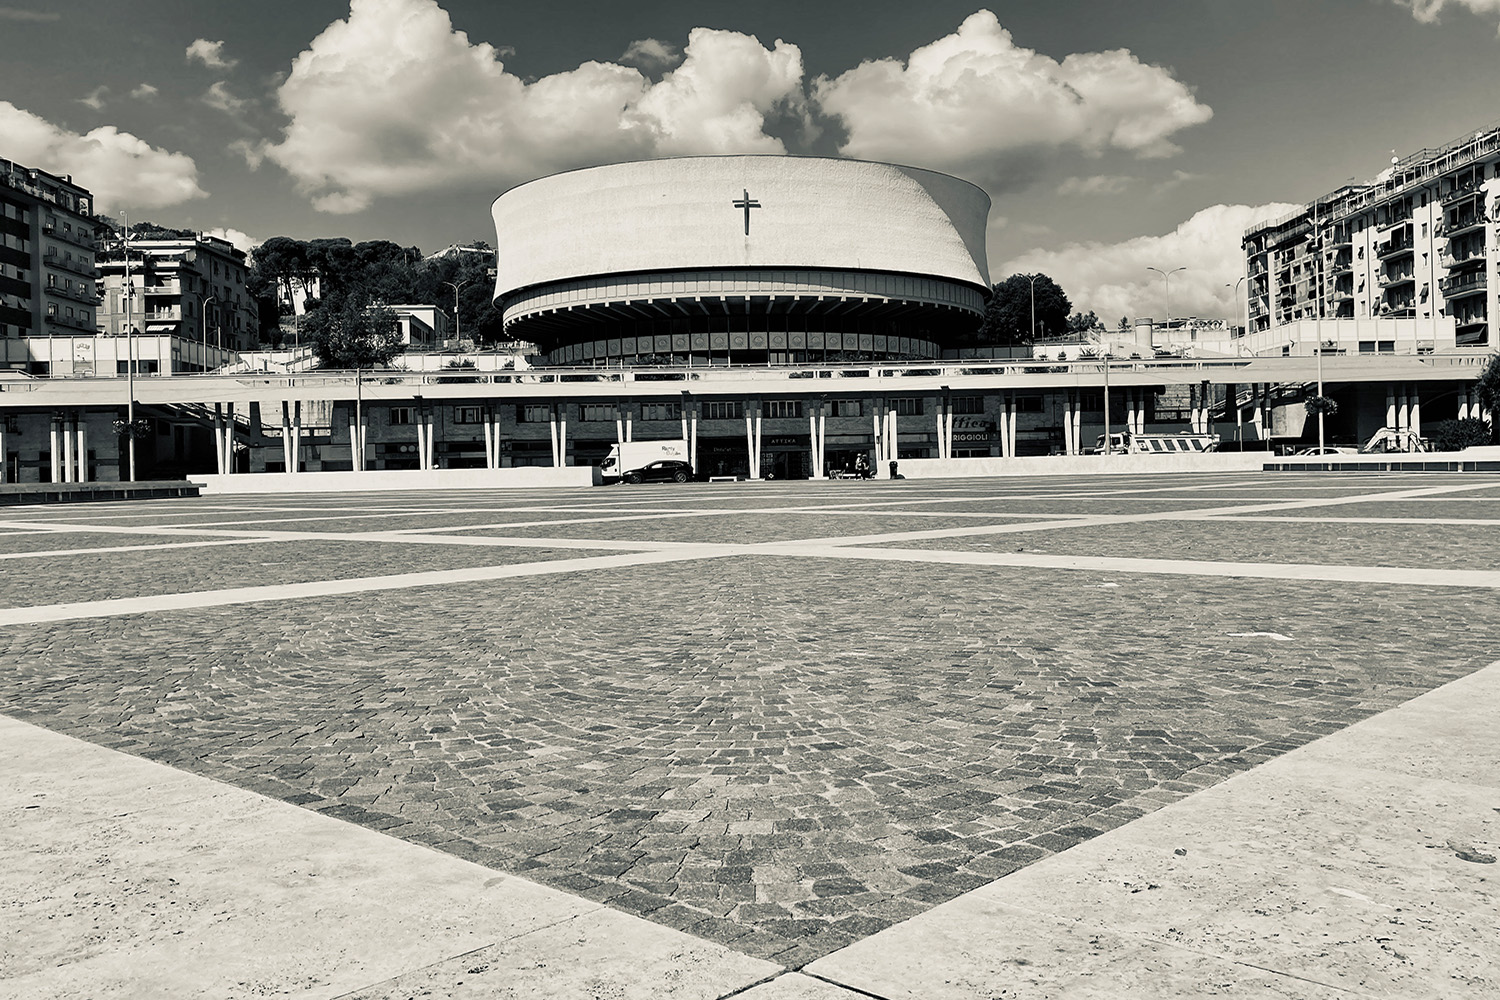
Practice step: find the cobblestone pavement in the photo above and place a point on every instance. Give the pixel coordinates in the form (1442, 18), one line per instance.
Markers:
(771, 747)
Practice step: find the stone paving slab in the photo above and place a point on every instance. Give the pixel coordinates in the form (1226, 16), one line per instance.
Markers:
(51, 541)
(124, 878)
(1335, 870)
(1475, 505)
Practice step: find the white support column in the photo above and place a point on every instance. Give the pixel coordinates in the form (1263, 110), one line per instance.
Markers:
(752, 463)
(1415, 393)
(1463, 404)
(682, 414)
(4, 454)
(938, 416)
(693, 435)
(894, 449)
(219, 437)
(629, 430)
(552, 426)
(812, 438)
(823, 440)
(421, 422)
(1010, 406)
(67, 448)
(489, 437)
(432, 425)
(354, 461)
(1067, 422)
(229, 439)
(758, 439)
(82, 450)
(495, 433)
(286, 435)
(55, 449)
(1403, 411)
(619, 423)
(948, 431)
(562, 433)
(1002, 424)
(296, 463)
(877, 417)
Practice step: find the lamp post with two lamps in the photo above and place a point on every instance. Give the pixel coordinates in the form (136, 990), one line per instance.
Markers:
(1167, 276)
(457, 327)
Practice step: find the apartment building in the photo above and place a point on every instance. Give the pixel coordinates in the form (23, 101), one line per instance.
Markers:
(189, 287)
(48, 281)
(1418, 242)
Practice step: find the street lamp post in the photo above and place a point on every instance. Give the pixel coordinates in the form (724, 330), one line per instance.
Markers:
(1318, 350)
(457, 326)
(1167, 275)
(129, 352)
(1032, 279)
(211, 298)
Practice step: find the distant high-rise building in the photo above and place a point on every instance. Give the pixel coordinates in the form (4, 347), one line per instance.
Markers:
(192, 287)
(48, 282)
(1419, 241)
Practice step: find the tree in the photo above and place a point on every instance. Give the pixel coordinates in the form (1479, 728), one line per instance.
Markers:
(1007, 316)
(1084, 322)
(347, 331)
(1456, 435)
(1488, 389)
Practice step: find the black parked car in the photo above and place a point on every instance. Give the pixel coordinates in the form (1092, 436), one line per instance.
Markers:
(666, 471)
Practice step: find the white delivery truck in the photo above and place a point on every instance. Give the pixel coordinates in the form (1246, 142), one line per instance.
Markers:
(647, 461)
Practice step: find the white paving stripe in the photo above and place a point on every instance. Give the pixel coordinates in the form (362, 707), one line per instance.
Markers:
(159, 546)
(1401, 575)
(331, 588)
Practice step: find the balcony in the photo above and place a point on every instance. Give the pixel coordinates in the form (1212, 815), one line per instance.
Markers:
(163, 316)
(76, 237)
(79, 267)
(1457, 286)
(72, 323)
(1466, 225)
(1465, 258)
(73, 295)
(1460, 193)
(1392, 248)
(172, 288)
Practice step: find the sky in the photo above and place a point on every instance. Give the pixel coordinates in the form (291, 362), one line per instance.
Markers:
(1112, 136)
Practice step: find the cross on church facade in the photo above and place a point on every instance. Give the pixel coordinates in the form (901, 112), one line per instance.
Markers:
(747, 205)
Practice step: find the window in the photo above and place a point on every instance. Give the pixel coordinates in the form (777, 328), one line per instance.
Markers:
(783, 408)
(1029, 404)
(968, 404)
(845, 408)
(51, 281)
(661, 411)
(597, 412)
(907, 406)
(402, 415)
(722, 410)
(468, 415)
(534, 413)
(51, 308)
(1367, 347)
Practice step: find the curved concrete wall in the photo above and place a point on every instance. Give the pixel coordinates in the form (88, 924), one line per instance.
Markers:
(679, 214)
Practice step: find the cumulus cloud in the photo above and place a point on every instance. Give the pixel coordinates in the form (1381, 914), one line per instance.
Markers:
(95, 98)
(1428, 11)
(240, 239)
(218, 96)
(393, 100)
(210, 54)
(123, 170)
(976, 103)
(1112, 280)
(144, 92)
(651, 54)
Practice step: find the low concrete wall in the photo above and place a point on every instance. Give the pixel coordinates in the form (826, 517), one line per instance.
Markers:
(365, 482)
(1081, 465)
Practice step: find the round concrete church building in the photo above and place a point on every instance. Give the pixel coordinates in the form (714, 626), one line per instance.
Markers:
(709, 260)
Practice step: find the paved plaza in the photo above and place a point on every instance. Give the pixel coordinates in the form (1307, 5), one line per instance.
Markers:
(785, 739)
